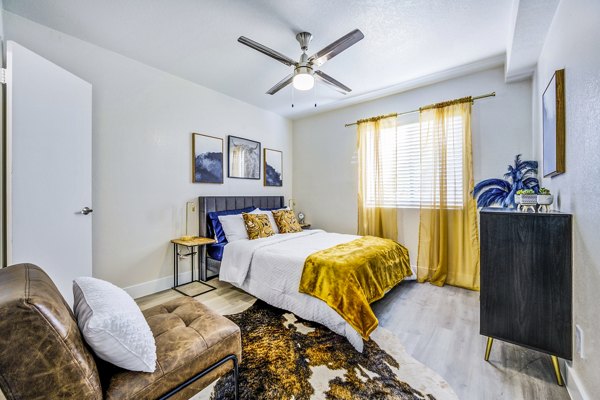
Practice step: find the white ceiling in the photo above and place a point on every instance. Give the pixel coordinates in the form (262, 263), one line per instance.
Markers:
(530, 23)
(197, 40)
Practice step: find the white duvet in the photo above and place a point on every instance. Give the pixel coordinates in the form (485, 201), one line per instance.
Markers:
(271, 268)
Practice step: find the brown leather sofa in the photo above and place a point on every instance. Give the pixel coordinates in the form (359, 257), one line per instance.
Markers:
(43, 355)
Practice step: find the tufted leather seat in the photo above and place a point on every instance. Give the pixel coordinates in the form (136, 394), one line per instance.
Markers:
(189, 338)
(43, 356)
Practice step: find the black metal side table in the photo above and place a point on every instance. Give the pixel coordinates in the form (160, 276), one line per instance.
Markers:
(195, 246)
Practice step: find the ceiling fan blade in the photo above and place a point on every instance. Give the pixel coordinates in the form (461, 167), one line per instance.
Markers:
(335, 48)
(283, 83)
(265, 50)
(337, 85)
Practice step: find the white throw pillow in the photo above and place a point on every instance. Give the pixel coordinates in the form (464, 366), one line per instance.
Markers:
(113, 325)
(234, 227)
(270, 215)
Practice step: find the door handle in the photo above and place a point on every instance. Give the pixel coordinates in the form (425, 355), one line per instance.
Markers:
(86, 210)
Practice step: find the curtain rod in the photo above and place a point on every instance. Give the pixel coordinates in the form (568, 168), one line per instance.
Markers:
(483, 96)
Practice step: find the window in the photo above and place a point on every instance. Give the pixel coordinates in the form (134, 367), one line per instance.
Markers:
(399, 166)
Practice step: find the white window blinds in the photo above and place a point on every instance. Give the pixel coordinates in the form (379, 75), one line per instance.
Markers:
(411, 171)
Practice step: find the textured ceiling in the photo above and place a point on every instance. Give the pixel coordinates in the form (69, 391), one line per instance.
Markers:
(197, 40)
(530, 23)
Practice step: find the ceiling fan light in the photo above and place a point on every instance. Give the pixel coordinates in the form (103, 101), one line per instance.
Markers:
(304, 81)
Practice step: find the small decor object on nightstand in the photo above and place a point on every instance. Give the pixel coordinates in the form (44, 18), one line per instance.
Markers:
(305, 226)
(301, 218)
(544, 200)
(189, 206)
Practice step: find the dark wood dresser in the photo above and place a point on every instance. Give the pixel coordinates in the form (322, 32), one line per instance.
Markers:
(526, 274)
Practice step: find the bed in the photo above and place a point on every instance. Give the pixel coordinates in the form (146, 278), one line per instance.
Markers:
(271, 268)
(210, 204)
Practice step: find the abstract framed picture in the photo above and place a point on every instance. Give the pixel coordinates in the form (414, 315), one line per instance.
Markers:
(273, 167)
(553, 117)
(207, 152)
(244, 158)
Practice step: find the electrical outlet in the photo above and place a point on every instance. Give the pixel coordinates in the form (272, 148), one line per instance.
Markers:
(579, 341)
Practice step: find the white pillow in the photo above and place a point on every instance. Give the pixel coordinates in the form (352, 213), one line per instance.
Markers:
(113, 325)
(234, 227)
(270, 215)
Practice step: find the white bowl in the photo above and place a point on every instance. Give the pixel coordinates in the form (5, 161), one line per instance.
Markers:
(545, 199)
(528, 199)
(517, 198)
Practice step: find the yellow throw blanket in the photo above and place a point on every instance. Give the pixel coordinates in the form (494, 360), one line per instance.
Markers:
(350, 276)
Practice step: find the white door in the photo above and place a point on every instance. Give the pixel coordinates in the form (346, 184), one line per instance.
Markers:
(49, 163)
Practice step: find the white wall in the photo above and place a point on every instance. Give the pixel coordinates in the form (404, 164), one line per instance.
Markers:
(573, 43)
(142, 124)
(325, 175)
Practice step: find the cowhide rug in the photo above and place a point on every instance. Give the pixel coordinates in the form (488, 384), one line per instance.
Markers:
(284, 357)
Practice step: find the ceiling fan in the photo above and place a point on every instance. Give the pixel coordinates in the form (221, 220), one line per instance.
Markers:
(305, 70)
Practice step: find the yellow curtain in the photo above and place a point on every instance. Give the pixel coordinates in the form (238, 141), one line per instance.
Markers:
(448, 236)
(376, 165)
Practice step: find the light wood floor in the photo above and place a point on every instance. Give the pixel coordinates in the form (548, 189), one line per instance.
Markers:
(225, 299)
(440, 328)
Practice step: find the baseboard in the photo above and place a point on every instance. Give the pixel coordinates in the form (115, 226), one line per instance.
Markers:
(413, 277)
(157, 285)
(574, 384)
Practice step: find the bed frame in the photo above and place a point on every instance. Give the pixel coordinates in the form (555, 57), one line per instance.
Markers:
(225, 203)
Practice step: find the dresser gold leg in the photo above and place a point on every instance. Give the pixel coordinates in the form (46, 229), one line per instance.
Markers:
(559, 378)
(488, 348)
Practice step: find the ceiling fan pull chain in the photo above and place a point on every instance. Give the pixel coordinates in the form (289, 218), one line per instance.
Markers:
(292, 88)
(315, 94)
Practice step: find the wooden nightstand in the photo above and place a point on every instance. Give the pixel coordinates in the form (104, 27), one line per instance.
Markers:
(198, 243)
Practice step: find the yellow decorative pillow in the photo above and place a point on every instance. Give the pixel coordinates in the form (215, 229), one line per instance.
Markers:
(286, 221)
(257, 225)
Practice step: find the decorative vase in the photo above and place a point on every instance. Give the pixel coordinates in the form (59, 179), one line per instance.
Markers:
(527, 202)
(544, 201)
(517, 199)
(529, 199)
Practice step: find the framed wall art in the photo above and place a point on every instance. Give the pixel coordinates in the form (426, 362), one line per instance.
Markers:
(207, 152)
(553, 118)
(273, 167)
(244, 158)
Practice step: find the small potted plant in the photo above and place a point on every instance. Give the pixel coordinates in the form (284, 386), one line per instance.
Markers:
(544, 199)
(526, 197)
